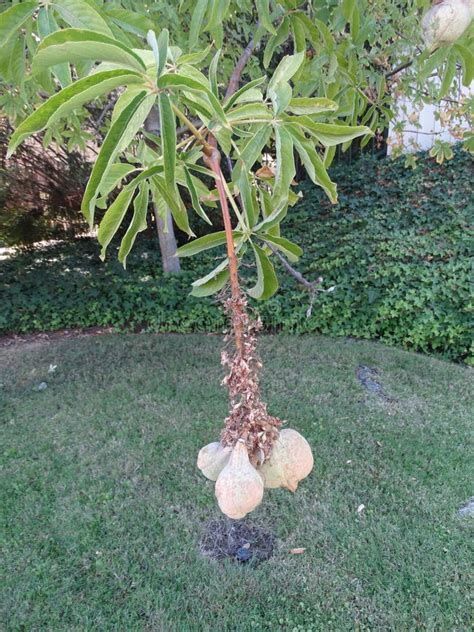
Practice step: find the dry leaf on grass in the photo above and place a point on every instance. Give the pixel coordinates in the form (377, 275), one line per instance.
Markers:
(297, 551)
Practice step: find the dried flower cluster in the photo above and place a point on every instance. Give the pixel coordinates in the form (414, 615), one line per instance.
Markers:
(248, 418)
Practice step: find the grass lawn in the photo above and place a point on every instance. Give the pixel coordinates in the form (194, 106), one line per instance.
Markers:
(103, 506)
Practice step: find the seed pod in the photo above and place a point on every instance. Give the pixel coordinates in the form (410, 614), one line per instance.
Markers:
(239, 488)
(212, 458)
(446, 21)
(291, 460)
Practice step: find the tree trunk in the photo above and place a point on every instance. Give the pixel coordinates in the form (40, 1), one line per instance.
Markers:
(165, 228)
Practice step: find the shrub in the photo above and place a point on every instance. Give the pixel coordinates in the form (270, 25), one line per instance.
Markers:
(396, 248)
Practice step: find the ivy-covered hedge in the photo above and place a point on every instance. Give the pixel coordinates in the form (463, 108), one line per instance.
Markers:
(396, 248)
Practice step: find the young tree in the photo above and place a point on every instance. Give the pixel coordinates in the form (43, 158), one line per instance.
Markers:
(207, 119)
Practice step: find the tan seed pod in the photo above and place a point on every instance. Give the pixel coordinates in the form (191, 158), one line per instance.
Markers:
(239, 487)
(212, 458)
(446, 21)
(290, 461)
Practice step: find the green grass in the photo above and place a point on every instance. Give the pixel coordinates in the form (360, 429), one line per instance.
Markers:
(103, 505)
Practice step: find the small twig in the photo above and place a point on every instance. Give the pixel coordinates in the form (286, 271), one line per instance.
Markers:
(310, 285)
(398, 69)
(234, 80)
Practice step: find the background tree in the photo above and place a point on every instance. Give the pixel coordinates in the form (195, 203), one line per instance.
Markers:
(274, 113)
(367, 54)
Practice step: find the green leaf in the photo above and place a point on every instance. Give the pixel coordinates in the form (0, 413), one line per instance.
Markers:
(467, 60)
(205, 243)
(449, 74)
(263, 10)
(331, 134)
(285, 164)
(175, 204)
(213, 73)
(47, 25)
(317, 29)
(194, 196)
(281, 96)
(80, 14)
(130, 21)
(197, 19)
(237, 95)
(70, 98)
(212, 282)
(124, 99)
(138, 223)
(117, 172)
(285, 70)
(252, 150)
(312, 162)
(180, 81)
(249, 200)
(292, 251)
(273, 219)
(113, 218)
(163, 42)
(311, 105)
(116, 140)
(13, 18)
(168, 135)
(275, 41)
(74, 45)
(267, 282)
(250, 111)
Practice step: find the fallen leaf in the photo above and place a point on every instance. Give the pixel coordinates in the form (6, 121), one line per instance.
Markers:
(297, 551)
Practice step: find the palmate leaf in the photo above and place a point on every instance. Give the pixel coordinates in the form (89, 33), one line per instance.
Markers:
(70, 98)
(74, 45)
(13, 18)
(116, 140)
(267, 282)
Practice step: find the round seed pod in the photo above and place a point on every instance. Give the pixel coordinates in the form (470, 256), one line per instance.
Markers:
(212, 458)
(446, 21)
(291, 460)
(239, 487)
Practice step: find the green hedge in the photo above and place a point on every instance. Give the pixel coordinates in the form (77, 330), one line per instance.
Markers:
(396, 248)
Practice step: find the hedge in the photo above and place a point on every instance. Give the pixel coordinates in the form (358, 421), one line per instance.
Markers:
(396, 248)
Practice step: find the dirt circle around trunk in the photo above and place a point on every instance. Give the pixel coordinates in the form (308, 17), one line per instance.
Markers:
(240, 541)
